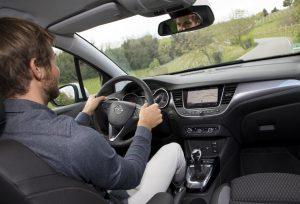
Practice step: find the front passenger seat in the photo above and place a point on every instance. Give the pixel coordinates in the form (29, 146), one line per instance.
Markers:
(262, 188)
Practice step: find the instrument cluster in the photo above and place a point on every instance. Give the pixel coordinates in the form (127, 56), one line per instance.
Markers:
(160, 96)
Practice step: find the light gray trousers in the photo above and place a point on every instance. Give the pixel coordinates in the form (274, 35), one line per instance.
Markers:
(167, 165)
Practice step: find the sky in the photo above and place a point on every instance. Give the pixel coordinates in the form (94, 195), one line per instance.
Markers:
(113, 34)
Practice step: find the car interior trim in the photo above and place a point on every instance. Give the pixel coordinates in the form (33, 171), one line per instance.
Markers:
(246, 91)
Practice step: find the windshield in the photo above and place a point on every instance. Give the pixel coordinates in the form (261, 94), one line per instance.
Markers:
(243, 30)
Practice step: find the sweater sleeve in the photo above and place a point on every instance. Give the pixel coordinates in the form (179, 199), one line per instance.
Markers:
(95, 161)
(83, 119)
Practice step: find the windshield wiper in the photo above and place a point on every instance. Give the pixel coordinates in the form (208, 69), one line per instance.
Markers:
(210, 66)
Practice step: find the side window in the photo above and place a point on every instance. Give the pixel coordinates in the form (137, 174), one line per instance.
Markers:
(70, 86)
(92, 79)
(66, 65)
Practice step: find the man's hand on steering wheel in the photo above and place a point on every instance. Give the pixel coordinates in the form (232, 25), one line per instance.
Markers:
(150, 116)
(92, 103)
(123, 116)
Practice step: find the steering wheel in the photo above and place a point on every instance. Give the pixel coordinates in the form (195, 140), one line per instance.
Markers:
(122, 115)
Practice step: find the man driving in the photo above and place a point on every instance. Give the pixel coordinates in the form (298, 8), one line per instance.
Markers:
(186, 22)
(29, 79)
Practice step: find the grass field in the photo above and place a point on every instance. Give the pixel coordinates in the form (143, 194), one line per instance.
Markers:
(276, 25)
(92, 85)
(190, 60)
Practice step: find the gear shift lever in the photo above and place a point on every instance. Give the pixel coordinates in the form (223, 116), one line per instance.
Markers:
(198, 173)
(196, 160)
(196, 156)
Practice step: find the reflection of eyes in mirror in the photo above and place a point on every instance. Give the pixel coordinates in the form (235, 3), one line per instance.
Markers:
(187, 22)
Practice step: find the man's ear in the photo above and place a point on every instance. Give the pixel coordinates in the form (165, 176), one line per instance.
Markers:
(36, 70)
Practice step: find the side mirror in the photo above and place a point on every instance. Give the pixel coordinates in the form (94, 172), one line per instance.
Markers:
(196, 17)
(69, 94)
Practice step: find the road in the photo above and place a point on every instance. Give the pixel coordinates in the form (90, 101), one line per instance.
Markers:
(267, 47)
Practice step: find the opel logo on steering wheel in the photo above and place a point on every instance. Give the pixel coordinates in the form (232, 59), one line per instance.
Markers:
(118, 109)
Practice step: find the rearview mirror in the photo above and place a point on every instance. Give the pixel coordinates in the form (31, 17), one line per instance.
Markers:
(180, 24)
(196, 17)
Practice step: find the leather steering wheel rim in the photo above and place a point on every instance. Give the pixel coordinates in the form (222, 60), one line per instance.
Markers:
(130, 124)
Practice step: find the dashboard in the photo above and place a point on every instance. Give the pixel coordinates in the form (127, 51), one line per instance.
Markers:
(160, 96)
(190, 102)
(219, 102)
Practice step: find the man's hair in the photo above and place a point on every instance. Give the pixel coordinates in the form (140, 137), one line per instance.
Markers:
(20, 41)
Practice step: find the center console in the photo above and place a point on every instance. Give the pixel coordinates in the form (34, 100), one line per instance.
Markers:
(203, 163)
(211, 161)
(198, 119)
(201, 102)
(200, 171)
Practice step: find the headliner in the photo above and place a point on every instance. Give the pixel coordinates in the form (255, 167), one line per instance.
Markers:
(46, 13)
(66, 17)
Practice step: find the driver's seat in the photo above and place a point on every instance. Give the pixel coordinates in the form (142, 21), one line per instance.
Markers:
(25, 178)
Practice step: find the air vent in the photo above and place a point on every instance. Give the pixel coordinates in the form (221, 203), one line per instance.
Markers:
(177, 97)
(229, 90)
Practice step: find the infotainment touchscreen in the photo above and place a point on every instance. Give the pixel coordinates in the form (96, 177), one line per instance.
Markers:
(202, 98)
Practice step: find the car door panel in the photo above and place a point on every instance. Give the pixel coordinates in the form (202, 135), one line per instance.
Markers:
(70, 110)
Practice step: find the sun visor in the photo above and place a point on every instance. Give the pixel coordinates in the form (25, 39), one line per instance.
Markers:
(151, 8)
(100, 15)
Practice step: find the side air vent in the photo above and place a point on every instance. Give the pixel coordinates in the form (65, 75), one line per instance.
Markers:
(229, 90)
(177, 97)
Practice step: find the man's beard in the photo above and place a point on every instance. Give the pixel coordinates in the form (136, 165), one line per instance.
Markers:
(50, 86)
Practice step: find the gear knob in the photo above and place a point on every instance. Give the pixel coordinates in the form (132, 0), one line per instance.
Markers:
(196, 155)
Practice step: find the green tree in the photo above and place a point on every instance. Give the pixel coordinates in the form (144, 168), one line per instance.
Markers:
(239, 28)
(296, 10)
(164, 50)
(154, 63)
(65, 62)
(140, 52)
(118, 56)
(87, 72)
(179, 45)
(218, 57)
(206, 49)
(274, 10)
(287, 3)
(265, 12)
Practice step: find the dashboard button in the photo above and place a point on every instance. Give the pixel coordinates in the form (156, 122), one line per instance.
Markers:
(201, 113)
(199, 130)
(207, 150)
(189, 130)
(210, 130)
